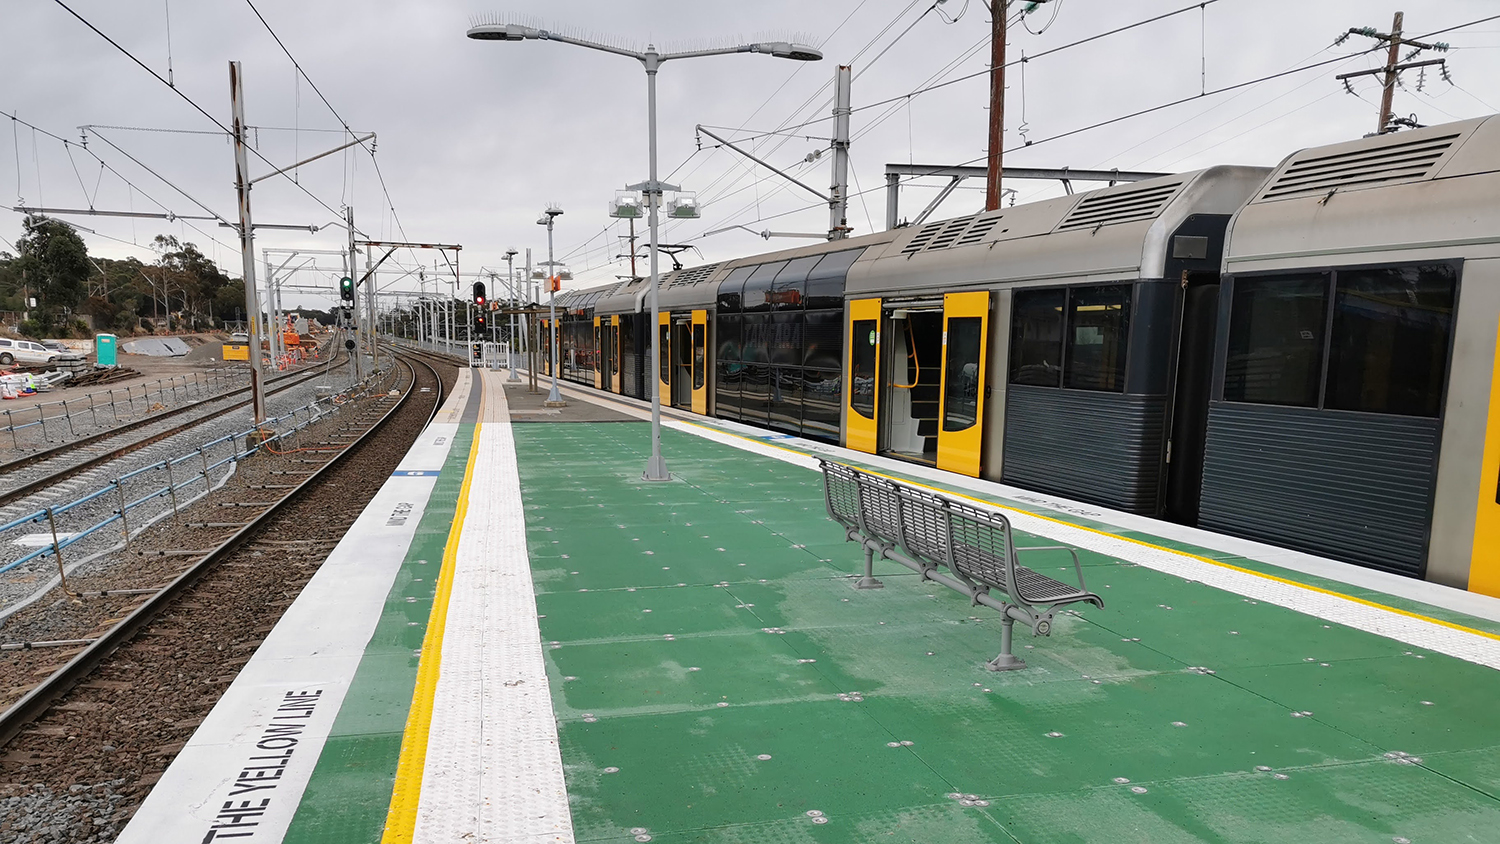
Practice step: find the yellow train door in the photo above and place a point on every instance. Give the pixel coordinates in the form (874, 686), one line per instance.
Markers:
(862, 388)
(700, 362)
(961, 409)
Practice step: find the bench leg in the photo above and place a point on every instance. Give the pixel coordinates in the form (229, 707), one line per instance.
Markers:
(869, 581)
(1006, 661)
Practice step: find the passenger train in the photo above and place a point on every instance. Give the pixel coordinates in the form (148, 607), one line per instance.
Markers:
(1304, 355)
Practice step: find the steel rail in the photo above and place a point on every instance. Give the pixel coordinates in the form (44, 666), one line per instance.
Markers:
(136, 445)
(37, 701)
(44, 454)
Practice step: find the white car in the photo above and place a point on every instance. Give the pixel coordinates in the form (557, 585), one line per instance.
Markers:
(239, 337)
(24, 351)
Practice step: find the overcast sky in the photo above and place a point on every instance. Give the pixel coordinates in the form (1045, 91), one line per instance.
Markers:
(475, 139)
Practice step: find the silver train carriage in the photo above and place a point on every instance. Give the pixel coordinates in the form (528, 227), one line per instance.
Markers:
(1302, 355)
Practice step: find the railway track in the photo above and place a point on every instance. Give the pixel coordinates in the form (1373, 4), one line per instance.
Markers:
(109, 713)
(44, 470)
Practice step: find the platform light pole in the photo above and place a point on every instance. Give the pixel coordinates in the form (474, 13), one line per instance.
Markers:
(656, 466)
(554, 398)
(510, 285)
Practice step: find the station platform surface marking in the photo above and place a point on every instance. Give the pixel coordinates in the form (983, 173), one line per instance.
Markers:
(304, 716)
(717, 679)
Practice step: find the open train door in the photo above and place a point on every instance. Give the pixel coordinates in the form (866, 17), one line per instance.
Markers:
(862, 393)
(965, 335)
(700, 361)
(664, 356)
(598, 354)
(614, 353)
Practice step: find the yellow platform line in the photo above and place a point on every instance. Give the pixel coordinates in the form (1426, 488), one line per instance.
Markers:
(1209, 561)
(406, 796)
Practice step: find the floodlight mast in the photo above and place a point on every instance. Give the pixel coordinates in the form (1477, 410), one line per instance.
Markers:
(656, 466)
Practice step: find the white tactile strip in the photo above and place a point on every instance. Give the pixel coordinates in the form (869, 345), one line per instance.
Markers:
(494, 772)
(1465, 644)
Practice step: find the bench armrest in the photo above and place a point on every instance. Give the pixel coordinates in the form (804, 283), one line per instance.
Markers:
(1077, 566)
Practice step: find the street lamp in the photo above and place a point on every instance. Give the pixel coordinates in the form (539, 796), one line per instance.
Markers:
(656, 467)
(510, 285)
(554, 398)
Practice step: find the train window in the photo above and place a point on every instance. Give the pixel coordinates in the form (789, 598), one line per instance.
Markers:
(825, 283)
(1098, 328)
(727, 332)
(1389, 346)
(757, 296)
(1036, 337)
(757, 330)
(961, 374)
(786, 338)
(698, 353)
(730, 289)
(1276, 340)
(862, 340)
(823, 340)
(663, 354)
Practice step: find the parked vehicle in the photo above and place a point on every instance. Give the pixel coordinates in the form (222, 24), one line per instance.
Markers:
(24, 351)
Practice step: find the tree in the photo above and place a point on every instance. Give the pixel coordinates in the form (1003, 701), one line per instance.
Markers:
(54, 263)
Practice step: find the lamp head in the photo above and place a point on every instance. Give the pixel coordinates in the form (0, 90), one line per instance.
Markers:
(511, 253)
(790, 50)
(501, 32)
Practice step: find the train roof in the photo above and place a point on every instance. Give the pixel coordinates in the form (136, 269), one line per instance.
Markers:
(1118, 232)
(1400, 196)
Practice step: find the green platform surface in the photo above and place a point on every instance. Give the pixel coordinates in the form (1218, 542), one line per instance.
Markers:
(716, 678)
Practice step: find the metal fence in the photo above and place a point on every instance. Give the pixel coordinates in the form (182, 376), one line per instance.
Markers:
(186, 476)
(201, 384)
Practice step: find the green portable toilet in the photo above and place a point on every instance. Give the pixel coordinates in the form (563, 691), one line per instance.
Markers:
(105, 348)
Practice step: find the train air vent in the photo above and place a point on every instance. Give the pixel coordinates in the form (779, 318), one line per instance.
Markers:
(983, 224)
(1403, 161)
(923, 236)
(688, 278)
(1119, 206)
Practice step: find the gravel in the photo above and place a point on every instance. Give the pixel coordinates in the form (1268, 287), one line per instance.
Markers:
(79, 772)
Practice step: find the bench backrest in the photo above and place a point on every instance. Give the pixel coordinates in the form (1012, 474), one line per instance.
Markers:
(981, 546)
(880, 508)
(841, 493)
(924, 525)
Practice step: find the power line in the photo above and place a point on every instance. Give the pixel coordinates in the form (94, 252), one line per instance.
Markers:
(105, 165)
(370, 149)
(189, 100)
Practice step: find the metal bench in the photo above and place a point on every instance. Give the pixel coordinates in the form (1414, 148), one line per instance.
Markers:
(965, 548)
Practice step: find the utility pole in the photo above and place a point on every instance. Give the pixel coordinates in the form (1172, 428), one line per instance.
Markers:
(997, 103)
(838, 202)
(247, 240)
(1392, 70)
(998, 9)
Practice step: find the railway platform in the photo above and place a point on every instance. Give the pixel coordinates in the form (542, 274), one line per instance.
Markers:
(521, 641)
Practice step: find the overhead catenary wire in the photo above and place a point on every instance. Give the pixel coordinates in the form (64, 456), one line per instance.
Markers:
(189, 100)
(134, 188)
(366, 145)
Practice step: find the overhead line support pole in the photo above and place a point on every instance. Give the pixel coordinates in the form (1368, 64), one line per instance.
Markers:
(1392, 58)
(247, 241)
